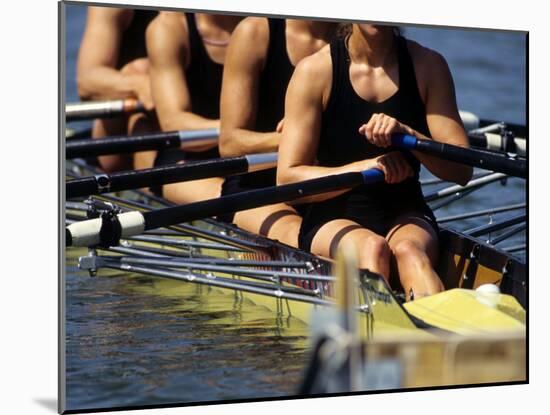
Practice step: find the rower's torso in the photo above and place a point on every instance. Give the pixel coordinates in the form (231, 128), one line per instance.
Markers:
(203, 70)
(132, 44)
(274, 78)
(286, 47)
(396, 94)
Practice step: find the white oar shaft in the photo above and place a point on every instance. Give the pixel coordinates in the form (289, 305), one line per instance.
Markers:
(88, 232)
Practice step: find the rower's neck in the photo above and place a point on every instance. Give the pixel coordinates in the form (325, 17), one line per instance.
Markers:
(316, 29)
(375, 50)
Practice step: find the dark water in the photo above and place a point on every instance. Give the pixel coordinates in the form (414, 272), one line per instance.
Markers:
(136, 341)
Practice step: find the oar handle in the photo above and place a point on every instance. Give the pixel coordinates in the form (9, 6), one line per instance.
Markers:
(501, 163)
(78, 111)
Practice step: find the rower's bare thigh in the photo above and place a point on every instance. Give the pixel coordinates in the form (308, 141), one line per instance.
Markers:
(108, 127)
(333, 233)
(194, 191)
(280, 222)
(142, 124)
(416, 231)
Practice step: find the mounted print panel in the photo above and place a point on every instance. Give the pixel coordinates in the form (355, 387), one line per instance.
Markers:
(261, 207)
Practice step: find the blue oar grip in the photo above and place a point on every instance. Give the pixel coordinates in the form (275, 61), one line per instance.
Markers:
(372, 176)
(405, 141)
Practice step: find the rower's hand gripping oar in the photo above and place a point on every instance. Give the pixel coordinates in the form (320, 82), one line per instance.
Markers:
(109, 229)
(476, 158)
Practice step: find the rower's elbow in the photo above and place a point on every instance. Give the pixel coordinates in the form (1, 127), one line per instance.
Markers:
(284, 175)
(82, 88)
(227, 145)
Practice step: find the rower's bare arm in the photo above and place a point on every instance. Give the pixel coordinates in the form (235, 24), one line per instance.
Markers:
(168, 53)
(97, 77)
(306, 97)
(443, 118)
(244, 62)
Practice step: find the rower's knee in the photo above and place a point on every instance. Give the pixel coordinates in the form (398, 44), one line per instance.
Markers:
(409, 253)
(285, 230)
(373, 250)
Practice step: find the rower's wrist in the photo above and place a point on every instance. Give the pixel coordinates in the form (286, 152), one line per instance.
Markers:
(366, 164)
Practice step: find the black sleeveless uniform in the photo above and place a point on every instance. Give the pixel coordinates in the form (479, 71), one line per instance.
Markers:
(204, 81)
(375, 206)
(133, 38)
(274, 80)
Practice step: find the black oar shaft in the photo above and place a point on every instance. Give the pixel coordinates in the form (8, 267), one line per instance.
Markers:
(470, 157)
(130, 144)
(162, 175)
(80, 111)
(108, 232)
(256, 198)
(158, 176)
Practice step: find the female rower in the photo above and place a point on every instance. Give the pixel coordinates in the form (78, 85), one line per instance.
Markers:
(260, 62)
(187, 53)
(342, 106)
(112, 63)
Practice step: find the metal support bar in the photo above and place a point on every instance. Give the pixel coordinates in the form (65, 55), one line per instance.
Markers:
(493, 227)
(481, 213)
(508, 234)
(247, 272)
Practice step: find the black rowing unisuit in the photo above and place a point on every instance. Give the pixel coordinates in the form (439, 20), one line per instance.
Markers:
(374, 206)
(132, 44)
(204, 81)
(274, 80)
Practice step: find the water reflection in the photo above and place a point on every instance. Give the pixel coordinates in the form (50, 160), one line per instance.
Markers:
(137, 340)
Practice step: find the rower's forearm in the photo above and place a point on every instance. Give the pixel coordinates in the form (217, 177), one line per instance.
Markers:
(107, 83)
(446, 170)
(302, 173)
(240, 142)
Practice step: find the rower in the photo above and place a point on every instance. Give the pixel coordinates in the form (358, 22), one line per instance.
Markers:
(342, 106)
(260, 62)
(112, 63)
(187, 53)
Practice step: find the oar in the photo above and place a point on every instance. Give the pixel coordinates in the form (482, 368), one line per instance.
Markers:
(472, 122)
(133, 143)
(499, 143)
(501, 163)
(81, 148)
(78, 111)
(108, 230)
(174, 173)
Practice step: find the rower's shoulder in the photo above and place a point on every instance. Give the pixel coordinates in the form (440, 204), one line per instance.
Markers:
(249, 43)
(317, 65)
(168, 25)
(166, 30)
(426, 60)
(253, 30)
(313, 75)
(116, 17)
